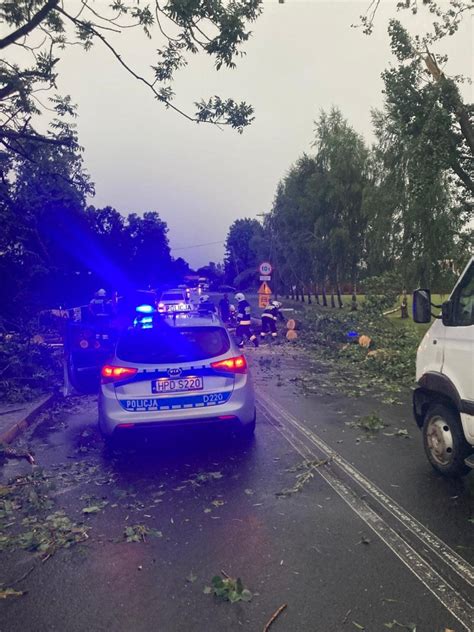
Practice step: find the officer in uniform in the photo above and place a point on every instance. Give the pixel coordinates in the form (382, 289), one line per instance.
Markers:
(244, 321)
(206, 305)
(270, 316)
(98, 306)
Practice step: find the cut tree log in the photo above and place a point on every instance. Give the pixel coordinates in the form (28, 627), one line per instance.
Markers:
(291, 334)
(292, 323)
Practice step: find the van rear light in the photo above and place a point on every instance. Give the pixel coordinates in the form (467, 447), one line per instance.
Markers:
(232, 365)
(111, 373)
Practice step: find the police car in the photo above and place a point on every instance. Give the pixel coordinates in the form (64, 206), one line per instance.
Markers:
(180, 369)
(174, 301)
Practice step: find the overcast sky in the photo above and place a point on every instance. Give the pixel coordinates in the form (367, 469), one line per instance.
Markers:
(303, 56)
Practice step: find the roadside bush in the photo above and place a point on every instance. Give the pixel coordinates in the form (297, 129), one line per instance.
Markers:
(27, 368)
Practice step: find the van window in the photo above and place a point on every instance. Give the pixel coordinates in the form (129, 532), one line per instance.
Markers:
(166, 344)
(463, 300)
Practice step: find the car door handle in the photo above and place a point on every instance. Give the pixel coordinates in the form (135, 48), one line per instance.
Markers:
(435, 342)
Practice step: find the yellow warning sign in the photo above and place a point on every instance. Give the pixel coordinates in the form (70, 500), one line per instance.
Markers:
(263, 300)
(265, 289)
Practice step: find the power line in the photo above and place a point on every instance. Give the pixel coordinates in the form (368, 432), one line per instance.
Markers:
(209, 243)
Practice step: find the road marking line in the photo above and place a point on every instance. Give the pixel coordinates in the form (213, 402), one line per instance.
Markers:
(461, 609)
(429, 539)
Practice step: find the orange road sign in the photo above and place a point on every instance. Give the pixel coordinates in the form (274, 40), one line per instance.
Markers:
(264, 289)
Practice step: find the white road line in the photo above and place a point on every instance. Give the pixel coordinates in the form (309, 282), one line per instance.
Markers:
(461, 609)
(429, 539)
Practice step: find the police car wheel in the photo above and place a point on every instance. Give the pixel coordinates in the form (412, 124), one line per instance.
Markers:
(247, 431)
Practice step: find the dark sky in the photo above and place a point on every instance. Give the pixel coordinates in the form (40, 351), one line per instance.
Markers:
(303, 56)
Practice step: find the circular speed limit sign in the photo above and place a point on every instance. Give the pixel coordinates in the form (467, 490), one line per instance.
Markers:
(265, 268)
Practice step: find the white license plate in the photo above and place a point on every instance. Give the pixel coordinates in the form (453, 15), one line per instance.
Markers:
(178, 385)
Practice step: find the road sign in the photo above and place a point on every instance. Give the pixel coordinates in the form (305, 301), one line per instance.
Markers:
(265, 268)
(263, 300)
(264, 289)
(265, 277)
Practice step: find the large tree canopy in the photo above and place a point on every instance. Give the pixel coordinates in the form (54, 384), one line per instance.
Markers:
(40, 30)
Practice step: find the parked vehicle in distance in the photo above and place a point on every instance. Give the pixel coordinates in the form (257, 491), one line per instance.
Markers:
(444, 400)
(174, 301)
(178, 370)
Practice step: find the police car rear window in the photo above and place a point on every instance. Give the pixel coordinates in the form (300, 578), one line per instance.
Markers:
(172, 344)
(172, 296)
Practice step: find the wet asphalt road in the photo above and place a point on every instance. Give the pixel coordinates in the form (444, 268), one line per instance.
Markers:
(369, 538)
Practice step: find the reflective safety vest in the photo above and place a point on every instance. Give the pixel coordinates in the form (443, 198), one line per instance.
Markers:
(272, 313)
(244, 313)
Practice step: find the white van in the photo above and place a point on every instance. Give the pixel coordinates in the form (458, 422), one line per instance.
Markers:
(443, 402)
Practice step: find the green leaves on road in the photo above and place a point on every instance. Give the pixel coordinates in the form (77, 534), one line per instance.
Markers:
(93, 509)
(228, 589)
(369, 423)
(55, 532)
(139, 533)
(305, 474)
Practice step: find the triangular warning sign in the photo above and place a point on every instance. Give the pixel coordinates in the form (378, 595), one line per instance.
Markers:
(264, 289)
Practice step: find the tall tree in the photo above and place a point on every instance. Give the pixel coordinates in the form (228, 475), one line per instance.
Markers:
(342, 158)
(241, 249)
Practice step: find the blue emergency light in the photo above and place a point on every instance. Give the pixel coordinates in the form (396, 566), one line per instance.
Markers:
(145, 309)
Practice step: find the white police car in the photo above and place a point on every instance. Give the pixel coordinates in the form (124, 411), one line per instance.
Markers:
(181, 369)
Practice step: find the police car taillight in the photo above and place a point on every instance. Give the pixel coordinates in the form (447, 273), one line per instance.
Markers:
(114, 373)
(232, 365)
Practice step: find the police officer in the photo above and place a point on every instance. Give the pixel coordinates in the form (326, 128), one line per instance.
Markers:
(98, 305)
(270, 316)
(206, 305)
(244, 321)
(224, 308)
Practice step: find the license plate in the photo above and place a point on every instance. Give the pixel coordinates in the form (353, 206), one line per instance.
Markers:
(178, 385)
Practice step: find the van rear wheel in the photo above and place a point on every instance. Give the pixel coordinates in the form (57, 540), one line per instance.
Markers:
(444, 442)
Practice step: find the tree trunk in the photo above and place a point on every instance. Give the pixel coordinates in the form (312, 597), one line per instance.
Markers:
(333, 302)
(316, 294)
(302, 294)
(292, 323)
(323, 294)
(354, 298)
(309, 294)
(339, 297)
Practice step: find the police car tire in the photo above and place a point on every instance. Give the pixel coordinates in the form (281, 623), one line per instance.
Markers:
(460, 448)
(248, 430)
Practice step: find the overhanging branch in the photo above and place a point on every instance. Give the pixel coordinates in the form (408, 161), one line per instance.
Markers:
(130, 70)
(25, 29)
(20, 136)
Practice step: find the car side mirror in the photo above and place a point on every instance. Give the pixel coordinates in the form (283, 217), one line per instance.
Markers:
(422, 306)
(447, 313)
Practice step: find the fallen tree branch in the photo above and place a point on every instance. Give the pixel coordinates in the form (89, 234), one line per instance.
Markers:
(274, 616)
(10, 453)
(24, 576)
